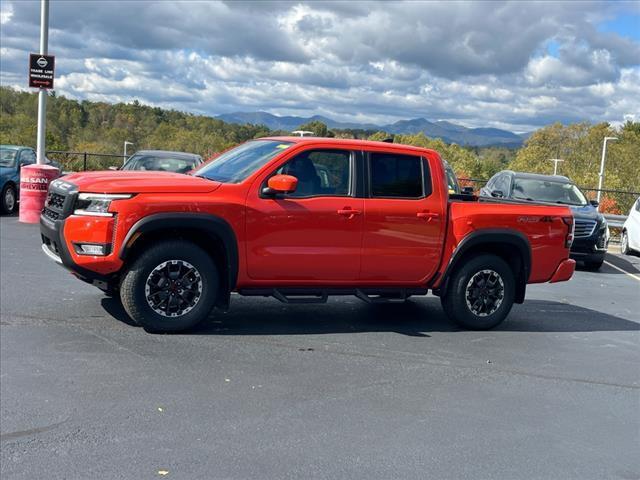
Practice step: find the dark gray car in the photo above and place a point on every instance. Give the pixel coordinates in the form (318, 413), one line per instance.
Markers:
(591, 232)
(163, 161)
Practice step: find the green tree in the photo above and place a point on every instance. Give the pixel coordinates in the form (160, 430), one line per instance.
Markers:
(318, 128)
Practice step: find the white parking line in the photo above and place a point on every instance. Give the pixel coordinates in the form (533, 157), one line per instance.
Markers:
(623, 271)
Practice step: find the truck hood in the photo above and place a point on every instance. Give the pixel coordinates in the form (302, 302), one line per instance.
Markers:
(139, 182)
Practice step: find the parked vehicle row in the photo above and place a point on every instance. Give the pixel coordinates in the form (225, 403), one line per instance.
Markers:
(591, 237)
(12, 159)
(299, 219)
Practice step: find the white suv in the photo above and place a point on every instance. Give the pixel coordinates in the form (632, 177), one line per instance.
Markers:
(630, 240)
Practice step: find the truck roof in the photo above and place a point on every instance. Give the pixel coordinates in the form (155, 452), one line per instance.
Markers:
(349, 142)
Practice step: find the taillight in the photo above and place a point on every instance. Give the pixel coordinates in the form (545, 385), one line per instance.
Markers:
(568, 240)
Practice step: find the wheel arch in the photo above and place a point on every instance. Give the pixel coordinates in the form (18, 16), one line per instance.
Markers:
(512, 246)
(213, 234)
(11, 183)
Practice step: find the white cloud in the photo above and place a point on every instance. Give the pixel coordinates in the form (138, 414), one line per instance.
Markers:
(475, 63)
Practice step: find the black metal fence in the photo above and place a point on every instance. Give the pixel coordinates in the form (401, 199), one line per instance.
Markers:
(616, 202)
(83, 161)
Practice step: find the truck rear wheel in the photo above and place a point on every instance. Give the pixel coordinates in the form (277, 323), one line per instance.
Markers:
(481, 292)
(171, 287)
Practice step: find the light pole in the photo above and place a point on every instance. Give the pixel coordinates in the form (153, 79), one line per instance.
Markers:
(35, 178)
(604, 154)
(555, 164)
(124, 153)
(42, 94)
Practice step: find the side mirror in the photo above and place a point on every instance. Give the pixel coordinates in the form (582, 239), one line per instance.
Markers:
(594, 203)
(497, 194)
(467, 190)
(281, 184)
(114, 168)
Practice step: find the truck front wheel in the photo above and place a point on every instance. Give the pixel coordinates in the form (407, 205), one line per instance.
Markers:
(170, 287)
(481, 292)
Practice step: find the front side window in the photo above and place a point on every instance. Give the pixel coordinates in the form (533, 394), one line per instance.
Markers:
(395, 175)
(240, 162)
(320, 173)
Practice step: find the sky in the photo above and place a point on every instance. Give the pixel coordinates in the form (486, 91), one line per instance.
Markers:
(514, 65)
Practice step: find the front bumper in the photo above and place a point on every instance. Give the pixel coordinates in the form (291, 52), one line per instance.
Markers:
(57, 218)
(593, 247)
(55, 247)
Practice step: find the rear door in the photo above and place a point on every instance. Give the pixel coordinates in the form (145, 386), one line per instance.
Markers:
(404, 220)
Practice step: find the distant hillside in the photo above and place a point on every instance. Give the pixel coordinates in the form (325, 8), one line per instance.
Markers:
(288, 123)
(447, 131)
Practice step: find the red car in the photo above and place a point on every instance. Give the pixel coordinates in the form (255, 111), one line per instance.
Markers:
(299, 219)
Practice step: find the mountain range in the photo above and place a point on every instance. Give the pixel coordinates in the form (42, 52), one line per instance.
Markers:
(447, 131)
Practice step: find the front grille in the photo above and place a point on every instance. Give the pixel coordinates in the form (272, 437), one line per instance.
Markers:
(55, 206)
(55, 201)
(50, 214)
(584, 228)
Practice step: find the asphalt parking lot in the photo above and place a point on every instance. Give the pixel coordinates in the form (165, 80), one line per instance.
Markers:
(342, 390)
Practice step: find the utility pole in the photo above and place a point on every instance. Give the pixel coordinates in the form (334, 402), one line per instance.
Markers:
(601, 175)
(555, 164)
(42, 94)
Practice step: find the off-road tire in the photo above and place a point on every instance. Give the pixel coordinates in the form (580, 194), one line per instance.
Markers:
(5, 207)
(134, 282)
(455, 301)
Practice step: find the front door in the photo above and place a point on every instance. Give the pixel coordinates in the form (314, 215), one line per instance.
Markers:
(313, 235)
(404, 221)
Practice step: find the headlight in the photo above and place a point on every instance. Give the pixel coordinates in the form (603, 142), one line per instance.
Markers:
(97, 204)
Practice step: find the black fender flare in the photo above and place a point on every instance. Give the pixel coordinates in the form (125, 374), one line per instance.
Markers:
(490, 237)
(209, 224)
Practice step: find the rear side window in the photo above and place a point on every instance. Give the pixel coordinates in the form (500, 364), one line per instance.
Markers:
(398, 176)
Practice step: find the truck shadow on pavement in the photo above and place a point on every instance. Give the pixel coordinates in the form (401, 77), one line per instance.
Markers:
(416, 317)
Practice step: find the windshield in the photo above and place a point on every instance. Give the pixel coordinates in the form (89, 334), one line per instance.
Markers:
(160, 163)
(546, 191)
(8, 157)
(240, 162)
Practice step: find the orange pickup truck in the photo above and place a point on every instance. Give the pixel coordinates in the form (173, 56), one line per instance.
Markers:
(300, 219)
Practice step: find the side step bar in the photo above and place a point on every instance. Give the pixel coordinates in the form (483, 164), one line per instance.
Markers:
(320, 295)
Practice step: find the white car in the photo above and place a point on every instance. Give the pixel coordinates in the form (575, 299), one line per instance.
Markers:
(630, 239)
